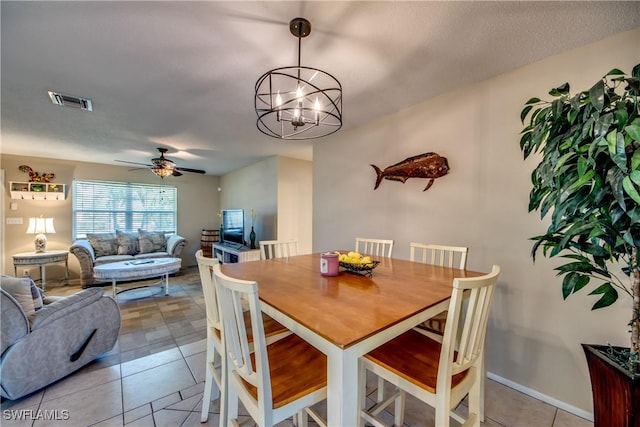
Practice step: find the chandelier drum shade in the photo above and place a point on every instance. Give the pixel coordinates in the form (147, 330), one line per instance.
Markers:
(297, 102)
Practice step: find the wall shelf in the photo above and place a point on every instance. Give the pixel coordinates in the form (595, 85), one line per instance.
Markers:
(37, 190)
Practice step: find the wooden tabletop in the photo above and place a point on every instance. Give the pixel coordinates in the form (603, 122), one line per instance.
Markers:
(347, 308)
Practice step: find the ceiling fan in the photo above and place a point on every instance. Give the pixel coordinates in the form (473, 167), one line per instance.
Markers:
(163, 167)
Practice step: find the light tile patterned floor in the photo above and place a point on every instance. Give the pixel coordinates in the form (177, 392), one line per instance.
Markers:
(154, 376)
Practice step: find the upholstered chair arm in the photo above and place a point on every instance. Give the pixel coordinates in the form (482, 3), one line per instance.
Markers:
(15, 324)
(83, 251)
(64, 306)
(175, 245)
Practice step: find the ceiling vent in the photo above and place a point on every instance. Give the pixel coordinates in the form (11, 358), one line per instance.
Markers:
(70, 101)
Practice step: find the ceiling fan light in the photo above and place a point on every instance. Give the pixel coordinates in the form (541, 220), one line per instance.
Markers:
(162, 172)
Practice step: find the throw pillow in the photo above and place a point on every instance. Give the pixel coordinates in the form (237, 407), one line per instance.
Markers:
(151, 241)
(25, 291)
(103, 243)
(127, 243)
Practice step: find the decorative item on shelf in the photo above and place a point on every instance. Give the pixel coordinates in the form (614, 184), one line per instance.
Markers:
(36, 176)
(40, 227)
(252, 235)
(427, 165)
(309, 99)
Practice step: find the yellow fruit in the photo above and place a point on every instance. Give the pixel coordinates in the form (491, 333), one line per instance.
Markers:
(366, 260)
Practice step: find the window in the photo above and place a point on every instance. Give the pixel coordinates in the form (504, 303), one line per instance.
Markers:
(100, 207)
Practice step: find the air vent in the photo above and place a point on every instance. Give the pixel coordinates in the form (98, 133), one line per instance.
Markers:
(70, 101)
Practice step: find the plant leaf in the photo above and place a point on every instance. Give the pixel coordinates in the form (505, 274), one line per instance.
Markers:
(524, 112)
(533, 100)
(633, 131)
(596, 95)
(615, 72)
(609, 295)
(630, 189)
(573, 282)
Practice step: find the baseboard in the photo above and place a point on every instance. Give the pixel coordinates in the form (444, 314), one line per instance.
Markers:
(542, 397)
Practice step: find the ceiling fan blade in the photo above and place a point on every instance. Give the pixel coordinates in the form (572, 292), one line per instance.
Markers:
(133, 163)
(190, 170)
(176, 173)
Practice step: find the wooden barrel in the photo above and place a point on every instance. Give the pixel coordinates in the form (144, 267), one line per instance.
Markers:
(209, 237)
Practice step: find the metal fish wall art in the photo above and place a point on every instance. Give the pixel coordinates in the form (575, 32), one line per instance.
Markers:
(427, 165)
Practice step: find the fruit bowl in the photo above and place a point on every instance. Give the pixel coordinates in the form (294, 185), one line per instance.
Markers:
(361, 269)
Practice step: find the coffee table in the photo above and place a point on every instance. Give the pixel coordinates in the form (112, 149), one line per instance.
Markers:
(136, 270)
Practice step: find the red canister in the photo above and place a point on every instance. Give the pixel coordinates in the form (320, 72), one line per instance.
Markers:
(329, 264)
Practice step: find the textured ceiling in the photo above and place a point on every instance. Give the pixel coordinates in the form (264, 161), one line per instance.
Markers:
(181, 75)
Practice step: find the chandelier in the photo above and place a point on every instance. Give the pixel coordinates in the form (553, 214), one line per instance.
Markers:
(298, 102)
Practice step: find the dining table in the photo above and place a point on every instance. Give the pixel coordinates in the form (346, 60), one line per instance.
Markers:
(348, 315)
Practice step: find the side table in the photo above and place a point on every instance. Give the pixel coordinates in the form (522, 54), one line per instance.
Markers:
(41, 259)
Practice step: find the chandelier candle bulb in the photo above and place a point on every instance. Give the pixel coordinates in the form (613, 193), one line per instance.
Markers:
(329, 264)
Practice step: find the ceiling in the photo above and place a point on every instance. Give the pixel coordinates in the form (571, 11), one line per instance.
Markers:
(181, 75)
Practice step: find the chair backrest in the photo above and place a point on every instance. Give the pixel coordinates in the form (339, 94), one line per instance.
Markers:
(278, 249)
(445, 256)
(205, 267)
(379, 247)
(244, 372)
(466, 326)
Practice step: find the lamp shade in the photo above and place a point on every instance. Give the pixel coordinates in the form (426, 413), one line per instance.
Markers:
(41, 225)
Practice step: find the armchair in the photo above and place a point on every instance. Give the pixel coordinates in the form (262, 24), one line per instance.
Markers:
(59, 338)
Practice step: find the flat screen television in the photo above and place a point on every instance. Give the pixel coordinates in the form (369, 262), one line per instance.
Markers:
(233, 226)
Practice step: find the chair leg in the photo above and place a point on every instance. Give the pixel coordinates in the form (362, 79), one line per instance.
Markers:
(483, 380)
(399, 408)
(211, 389)
(475, 399)
(380, 391)
(442, 410)
(362, 392)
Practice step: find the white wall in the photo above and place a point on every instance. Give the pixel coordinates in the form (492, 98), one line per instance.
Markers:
(534, 337)
(197, 206)
(295, 202)
(279, 189)
(254, 187)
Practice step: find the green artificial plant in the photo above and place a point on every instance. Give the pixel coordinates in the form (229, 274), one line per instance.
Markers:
(588, 183)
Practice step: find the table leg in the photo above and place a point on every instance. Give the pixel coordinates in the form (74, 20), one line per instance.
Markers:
(113, 286)
(342, 387)
(166, 284)
(42, 277)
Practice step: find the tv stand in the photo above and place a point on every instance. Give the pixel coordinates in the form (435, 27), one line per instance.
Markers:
(236, 253)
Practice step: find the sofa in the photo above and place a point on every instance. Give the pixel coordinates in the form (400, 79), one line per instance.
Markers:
(45, 339)
(102, 248)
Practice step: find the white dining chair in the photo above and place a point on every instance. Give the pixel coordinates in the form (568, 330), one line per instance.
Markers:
(378, 247)
(214, 385)
(440, 374)
(444, 256)
(270, 249)
(276, 381)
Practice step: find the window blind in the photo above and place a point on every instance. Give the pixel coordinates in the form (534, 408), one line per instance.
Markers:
(100, 206)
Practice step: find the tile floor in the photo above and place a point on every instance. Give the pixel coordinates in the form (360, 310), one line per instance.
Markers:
(155, 376)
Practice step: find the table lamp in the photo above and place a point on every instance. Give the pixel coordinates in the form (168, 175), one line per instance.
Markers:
(40, 226)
